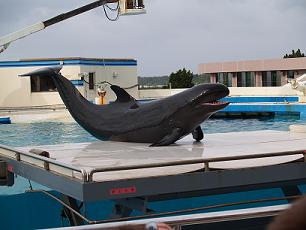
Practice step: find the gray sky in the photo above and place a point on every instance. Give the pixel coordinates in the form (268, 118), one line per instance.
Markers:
(172, 35)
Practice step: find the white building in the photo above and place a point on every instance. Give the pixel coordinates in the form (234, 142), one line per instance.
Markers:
(19, 92)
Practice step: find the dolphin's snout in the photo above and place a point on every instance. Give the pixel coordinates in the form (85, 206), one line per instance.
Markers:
(219, 87)
(224, 89)
(215, 88)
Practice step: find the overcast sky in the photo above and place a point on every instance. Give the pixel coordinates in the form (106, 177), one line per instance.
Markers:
(172, 35)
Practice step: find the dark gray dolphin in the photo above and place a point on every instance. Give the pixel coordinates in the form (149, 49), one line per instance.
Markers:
(159, 122)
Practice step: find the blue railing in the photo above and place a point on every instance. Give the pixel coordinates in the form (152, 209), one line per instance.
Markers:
(262, 99)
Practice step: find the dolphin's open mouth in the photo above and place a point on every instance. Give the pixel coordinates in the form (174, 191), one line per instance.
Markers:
(211, 95)
(213, 98)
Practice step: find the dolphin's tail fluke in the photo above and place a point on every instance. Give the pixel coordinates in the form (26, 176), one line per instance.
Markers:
(84, 112)
(44, 72)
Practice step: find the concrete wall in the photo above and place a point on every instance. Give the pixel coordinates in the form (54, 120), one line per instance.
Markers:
(157, 93)
(263, 91)
(234, 91)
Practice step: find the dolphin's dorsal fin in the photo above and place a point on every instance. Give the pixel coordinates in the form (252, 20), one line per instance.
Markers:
(122, 95)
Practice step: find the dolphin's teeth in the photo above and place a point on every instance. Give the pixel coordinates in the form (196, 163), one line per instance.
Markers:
(215, 103)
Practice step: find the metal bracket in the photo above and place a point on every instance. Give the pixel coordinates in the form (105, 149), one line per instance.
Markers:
(4, 47)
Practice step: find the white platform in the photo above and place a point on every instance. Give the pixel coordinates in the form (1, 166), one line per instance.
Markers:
(106, 154)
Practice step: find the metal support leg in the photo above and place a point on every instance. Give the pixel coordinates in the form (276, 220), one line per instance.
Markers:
(120, 211)
(73, 219)
(10, 179)
(124, 207)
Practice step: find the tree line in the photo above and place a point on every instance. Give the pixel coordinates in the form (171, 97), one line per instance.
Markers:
(181, 79)
(295, 54)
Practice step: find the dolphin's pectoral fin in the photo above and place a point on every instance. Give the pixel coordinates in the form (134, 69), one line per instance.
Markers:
(197, 133)
(169, 139)
(122, 95)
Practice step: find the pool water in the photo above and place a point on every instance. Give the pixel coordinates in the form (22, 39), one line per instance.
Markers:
(46, 133)
(49, 133)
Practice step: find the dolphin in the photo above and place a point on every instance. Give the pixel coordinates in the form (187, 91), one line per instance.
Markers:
(159, 122)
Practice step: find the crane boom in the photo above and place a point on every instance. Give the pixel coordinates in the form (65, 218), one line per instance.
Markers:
(6, 40)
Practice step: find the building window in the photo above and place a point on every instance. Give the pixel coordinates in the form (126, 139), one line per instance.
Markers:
(290, 74)
(246, 79)
(219, 78)
(276, 78)
(42, 84)
(230, 77)
(250, 79)
(265, 81)
(240, 82)
(227, 79)
(271, 78)
(91, 80)
(224, 78)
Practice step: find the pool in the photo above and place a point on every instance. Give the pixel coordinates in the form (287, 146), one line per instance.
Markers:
(49, 133)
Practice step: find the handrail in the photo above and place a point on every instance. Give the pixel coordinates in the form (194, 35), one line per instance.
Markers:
(45, 160)
(204, 161)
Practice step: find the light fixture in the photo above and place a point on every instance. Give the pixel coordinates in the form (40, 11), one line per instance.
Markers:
(132, 7)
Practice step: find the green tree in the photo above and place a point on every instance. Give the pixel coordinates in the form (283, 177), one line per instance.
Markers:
(181, 79)
(295, 54)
